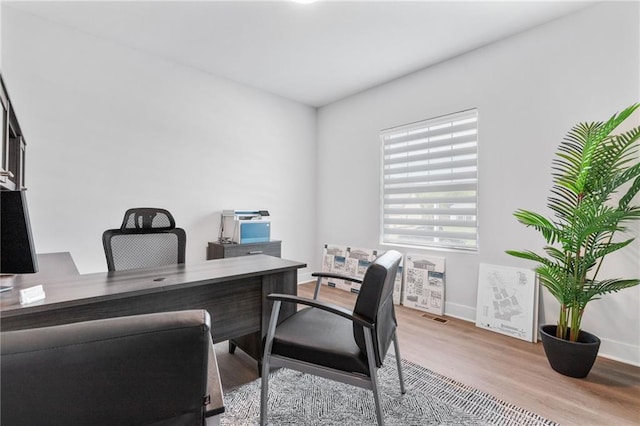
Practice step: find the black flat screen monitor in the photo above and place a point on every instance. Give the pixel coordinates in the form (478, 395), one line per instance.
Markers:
(17, 255)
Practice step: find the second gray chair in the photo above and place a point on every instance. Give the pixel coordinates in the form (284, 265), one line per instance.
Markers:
(147, 237)
(333, 342)
(145, 369)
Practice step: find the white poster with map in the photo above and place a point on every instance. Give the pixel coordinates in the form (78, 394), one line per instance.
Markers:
(508, 301)
(333, 260)
(397, 286)
(424, 280)
(357, 260)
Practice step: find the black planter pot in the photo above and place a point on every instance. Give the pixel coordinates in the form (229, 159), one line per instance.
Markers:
(573, 359)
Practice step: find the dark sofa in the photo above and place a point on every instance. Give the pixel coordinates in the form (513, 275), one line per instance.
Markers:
(148, 369)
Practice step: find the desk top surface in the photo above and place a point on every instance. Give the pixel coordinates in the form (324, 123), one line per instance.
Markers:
(64, 287)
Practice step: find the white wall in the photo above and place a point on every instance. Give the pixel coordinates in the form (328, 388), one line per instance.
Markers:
(110, 128)
(529, 89)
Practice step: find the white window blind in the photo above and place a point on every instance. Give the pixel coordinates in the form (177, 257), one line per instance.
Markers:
(430, 182)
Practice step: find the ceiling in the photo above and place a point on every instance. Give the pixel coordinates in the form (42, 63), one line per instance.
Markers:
(311, 53)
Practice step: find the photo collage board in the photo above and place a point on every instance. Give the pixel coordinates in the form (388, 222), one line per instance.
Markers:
(353, 261)
(419, 284)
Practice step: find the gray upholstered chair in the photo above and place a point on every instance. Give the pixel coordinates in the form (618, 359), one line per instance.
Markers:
(147, 369)
(333, 342)
(147, 237)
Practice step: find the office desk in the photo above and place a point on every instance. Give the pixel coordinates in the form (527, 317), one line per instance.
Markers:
(233, 290)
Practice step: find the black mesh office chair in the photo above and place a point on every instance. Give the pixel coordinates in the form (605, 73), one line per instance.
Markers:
(147, 237)
(333, 342)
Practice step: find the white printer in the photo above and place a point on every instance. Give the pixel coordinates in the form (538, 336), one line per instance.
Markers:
(245, 226)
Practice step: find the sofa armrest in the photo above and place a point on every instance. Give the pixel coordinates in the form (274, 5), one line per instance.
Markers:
(214, 404)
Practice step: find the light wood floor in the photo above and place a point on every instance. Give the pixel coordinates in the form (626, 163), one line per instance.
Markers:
(510, 369)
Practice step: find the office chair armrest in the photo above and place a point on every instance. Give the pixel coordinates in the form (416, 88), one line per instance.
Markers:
(334, 309)
(338, 276)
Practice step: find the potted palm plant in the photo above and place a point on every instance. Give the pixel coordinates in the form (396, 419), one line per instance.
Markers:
(596, 175)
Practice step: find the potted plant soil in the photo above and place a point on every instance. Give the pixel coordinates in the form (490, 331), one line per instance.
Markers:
(596, 175)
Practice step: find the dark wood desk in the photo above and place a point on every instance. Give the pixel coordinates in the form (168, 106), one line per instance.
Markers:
(233, 290)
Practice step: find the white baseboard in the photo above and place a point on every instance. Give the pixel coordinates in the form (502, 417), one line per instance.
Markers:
(611, 349)
(619, 351)
(462, 312)
(305, 277)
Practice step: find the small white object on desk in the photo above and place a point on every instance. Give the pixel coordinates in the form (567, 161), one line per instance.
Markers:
(31, 294)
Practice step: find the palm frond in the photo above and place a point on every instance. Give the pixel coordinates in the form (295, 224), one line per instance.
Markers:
(528, 255)
(556, 254)
(632, 192)
(618, 118)
(593, 289)
(602, 250)
(554, 278)
(539, 223)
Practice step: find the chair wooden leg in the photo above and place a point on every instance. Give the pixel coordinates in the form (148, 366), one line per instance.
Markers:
(373, 373)
(396, 348)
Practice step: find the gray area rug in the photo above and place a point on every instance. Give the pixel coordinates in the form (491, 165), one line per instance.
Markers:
(431, 399)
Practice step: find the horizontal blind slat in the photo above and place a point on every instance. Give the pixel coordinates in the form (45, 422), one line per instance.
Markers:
(436, 211)
(439, 234)
(452, 243)
(452, 142)
(440, 222)
(389, 180)
(429, 188)
(463, 198)
(470, 151)
(455, 164)
(401, 137)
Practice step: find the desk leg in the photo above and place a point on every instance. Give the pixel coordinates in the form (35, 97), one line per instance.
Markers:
(251, 344)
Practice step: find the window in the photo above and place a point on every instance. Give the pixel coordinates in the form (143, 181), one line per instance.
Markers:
(430, 183)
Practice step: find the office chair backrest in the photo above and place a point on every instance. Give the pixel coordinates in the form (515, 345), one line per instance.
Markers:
(148, 237)
(148, 218)
(375, 302)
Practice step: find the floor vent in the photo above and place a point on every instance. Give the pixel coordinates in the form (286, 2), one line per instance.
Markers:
(436, 319)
